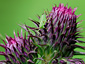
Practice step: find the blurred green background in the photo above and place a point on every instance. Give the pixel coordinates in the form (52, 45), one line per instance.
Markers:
(14, 12)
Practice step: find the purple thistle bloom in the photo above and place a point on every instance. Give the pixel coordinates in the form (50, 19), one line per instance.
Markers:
(60, 32)
(18, 49)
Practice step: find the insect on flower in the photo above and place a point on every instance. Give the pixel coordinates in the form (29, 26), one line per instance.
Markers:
(42, 21)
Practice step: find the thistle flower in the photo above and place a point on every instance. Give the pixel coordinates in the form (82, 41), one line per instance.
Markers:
(54, 40)
(18, 50)
(59, 34)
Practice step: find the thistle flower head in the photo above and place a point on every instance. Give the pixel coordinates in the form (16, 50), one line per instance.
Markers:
(18, 50)
(60, 32)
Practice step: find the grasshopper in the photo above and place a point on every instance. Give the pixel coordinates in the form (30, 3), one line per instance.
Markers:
(42, 21)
